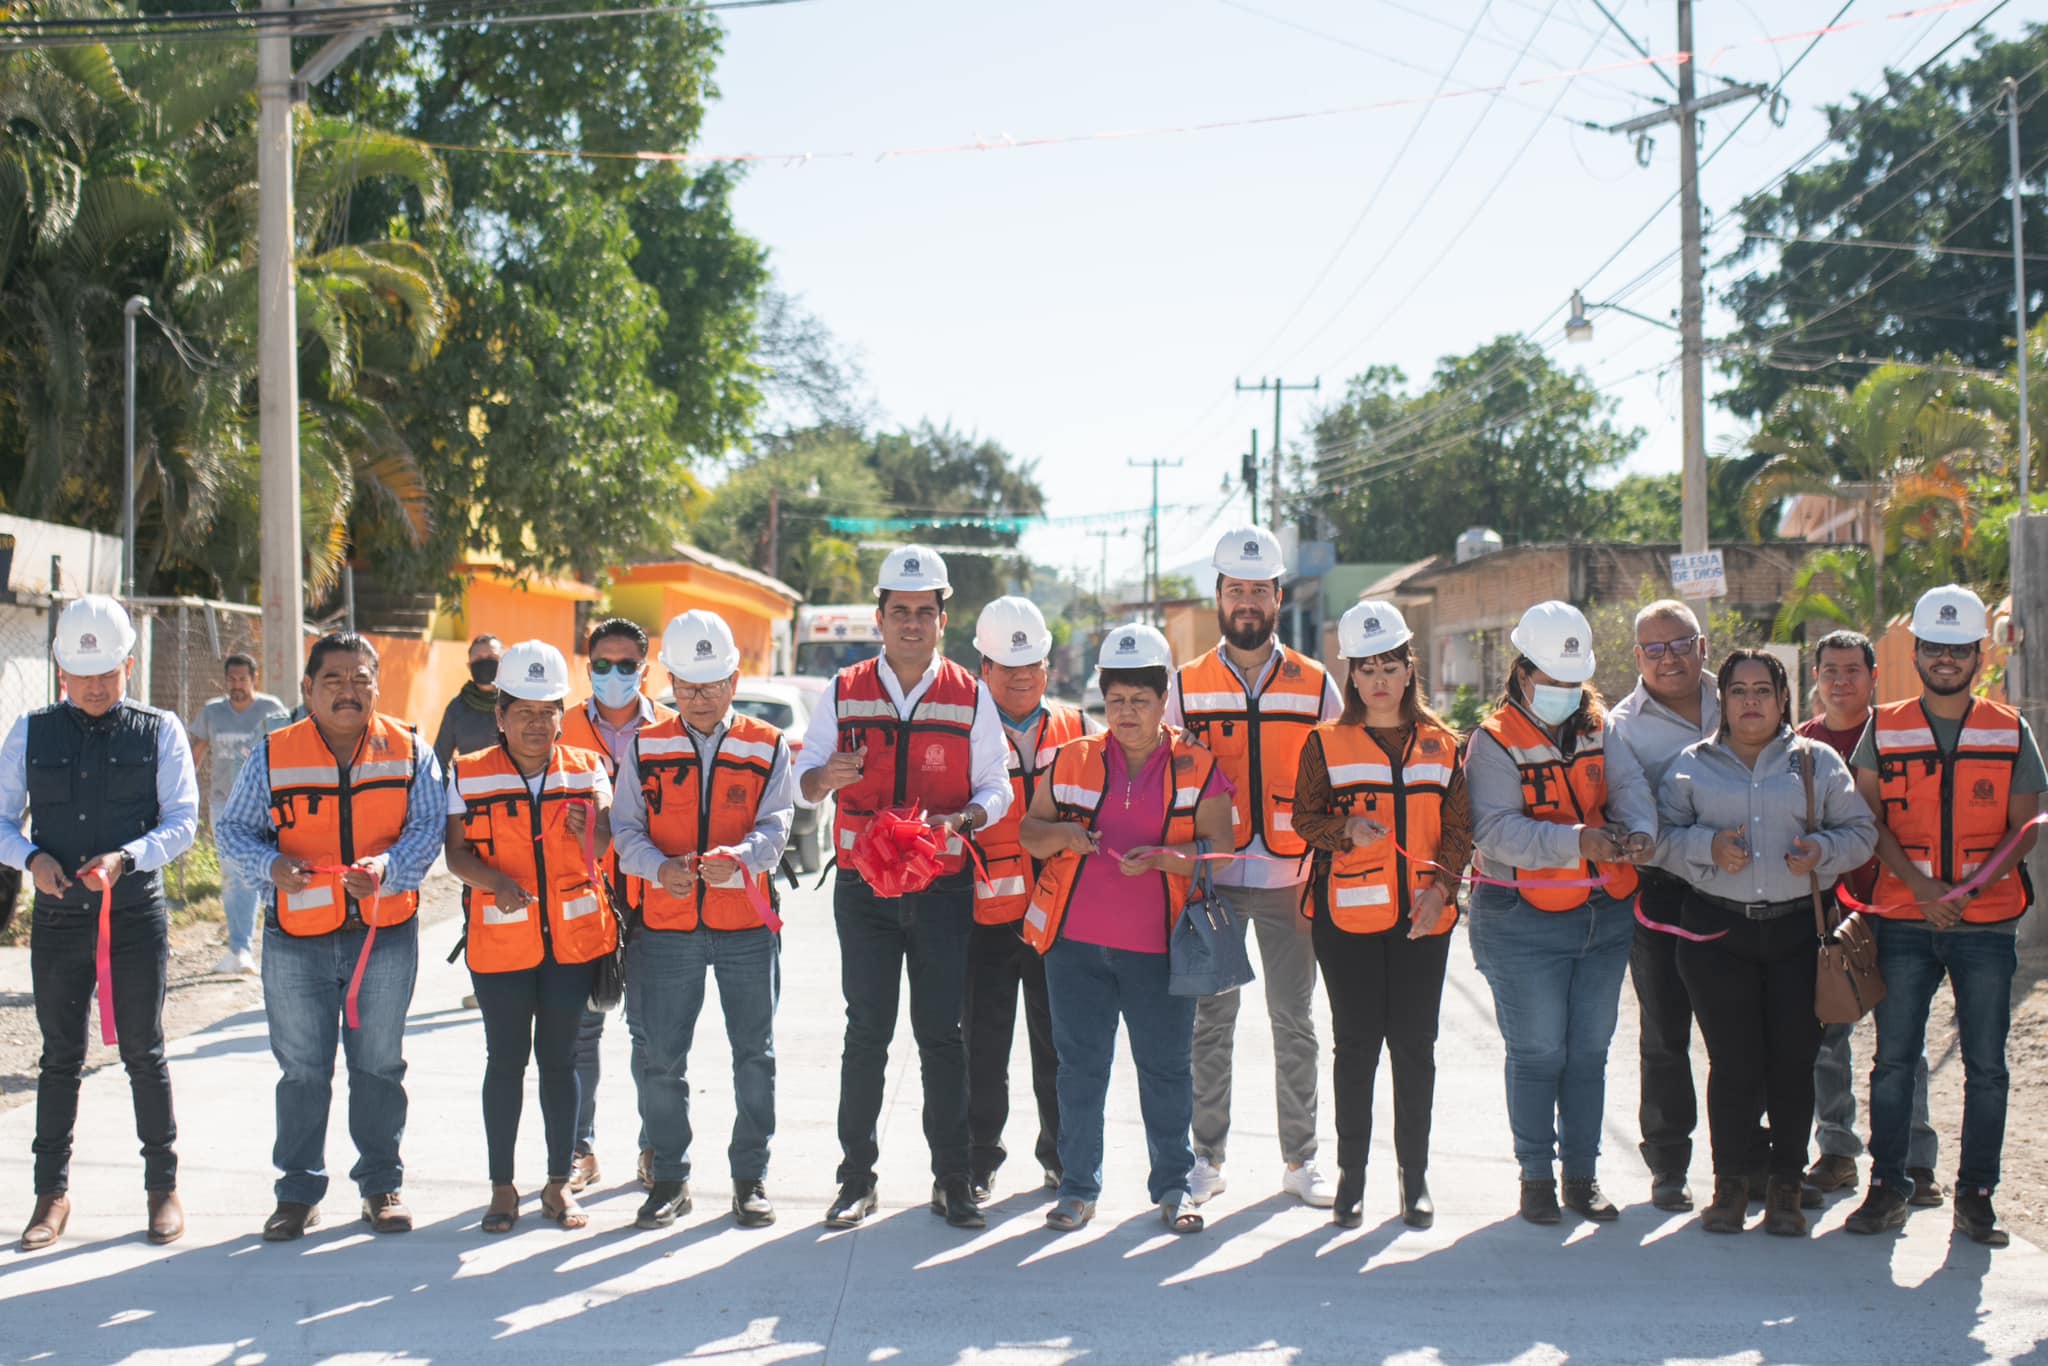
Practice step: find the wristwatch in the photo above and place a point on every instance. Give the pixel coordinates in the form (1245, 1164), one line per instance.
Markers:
(127, 863)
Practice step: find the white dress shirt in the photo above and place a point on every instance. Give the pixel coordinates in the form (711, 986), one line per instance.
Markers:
(989, 776)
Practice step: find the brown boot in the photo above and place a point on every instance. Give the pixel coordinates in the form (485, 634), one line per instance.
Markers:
(166, 1217)
(1782, 1215)
(46, 1225)
(583, 1172)
(1729, 1208)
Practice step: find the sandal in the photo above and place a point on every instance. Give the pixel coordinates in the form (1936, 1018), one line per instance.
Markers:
(1069, 1214)
(1177, 1212)
(567, 1212)
(504, 1210)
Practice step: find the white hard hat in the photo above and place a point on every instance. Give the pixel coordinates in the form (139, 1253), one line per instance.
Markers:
(1012, 632)
(534, 671)
(1249, 552)
(94, 636)
(1134, 646)
(915, 569)
(1949, 615)
(697, 647)
(1557, 639)
(1372, 628)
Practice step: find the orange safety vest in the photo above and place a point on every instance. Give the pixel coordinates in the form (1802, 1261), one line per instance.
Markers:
(1949, 812)
(1001, 900)
(579, 733)
(679, 821)
(1368, 889)
(531, 841)
(1563, 792)
(330, 817)
(1080, 778)
(1257, 738)
(927, 760)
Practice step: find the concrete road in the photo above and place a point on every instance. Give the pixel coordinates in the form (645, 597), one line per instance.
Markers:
(1270, 1281)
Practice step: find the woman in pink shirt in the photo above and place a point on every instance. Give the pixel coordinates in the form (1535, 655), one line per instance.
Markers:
(1117, 826)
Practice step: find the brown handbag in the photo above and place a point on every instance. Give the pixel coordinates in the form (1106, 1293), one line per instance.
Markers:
(1846, 983)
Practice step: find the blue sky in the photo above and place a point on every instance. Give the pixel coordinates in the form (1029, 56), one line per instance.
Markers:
(1091, 303)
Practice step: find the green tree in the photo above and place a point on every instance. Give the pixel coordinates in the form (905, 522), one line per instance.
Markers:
(1938, 147)
(1648, 507)
(814, 474)
(1500, 438)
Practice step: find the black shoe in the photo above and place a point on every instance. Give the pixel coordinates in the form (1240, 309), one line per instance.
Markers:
(855, 1202)
(1882, 1211)
(1810, 1196)
(668, 1201)
(982, 1186)
(1348, 1211)
(952, 1198)
(1539, 1202)
(1927, 1192)
(1976, 1221)
(1417, 1209)
(1833, 1172)
(1669, 1192)
(1583, 1195)
(750, 1205)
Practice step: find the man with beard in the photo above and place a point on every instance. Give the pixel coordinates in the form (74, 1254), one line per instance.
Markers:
(1955, 782)
(1252, 702)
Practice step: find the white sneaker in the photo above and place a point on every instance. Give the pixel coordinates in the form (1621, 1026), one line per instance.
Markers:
(235, 964)
(1205, 1180)
(1309, 1186)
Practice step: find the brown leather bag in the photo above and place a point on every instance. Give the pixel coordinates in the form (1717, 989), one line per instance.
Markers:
(1846, 983)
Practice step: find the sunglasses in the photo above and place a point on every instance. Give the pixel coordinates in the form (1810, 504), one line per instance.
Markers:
(1679, 648)
(629, 668)
(1930, 649)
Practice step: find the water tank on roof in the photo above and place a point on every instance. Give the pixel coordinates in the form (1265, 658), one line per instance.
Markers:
(1475, 541)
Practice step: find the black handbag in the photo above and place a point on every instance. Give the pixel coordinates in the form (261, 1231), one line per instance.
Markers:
(1206, 953)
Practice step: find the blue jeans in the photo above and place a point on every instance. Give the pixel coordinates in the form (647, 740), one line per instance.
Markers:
(590, 1068)
(1556, 979)
(238, 901)
(1089, 987)
(664, 994)
(1834, 1103)
(1979, 967)
(304, 984)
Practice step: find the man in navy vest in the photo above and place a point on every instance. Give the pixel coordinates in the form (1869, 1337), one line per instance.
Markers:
(113, 798)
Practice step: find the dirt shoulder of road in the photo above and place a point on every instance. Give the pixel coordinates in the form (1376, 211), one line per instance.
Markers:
(198, 998)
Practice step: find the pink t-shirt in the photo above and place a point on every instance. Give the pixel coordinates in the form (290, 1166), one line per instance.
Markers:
(1110, 909)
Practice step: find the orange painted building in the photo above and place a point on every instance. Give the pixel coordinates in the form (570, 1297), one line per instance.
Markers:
(756, 606)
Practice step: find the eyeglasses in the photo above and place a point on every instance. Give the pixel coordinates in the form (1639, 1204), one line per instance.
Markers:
(630, 668)
(701, 691)
(1934, 649)
(1679, 648)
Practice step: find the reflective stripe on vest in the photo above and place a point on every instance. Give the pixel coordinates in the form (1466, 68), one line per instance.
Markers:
(1000, 899)
(1256, 738)
(579, 732)
(326, 818)
(1949, 811)
(531, 843)
(1369, 889)
(679, 821)
(1561, 792)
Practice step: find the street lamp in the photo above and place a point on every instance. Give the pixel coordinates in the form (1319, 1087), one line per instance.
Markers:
(1579, 328)
(136, 304)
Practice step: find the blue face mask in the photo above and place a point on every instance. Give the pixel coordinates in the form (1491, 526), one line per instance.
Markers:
(1553, 705)
(615, 689)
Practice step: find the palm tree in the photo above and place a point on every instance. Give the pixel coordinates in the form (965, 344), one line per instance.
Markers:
(1836, 586)
(1895, 446)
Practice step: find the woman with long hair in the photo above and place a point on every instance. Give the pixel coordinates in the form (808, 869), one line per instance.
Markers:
(1561, 818)
(1381, 799)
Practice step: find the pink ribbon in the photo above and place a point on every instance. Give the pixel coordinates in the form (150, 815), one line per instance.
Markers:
(355, 979)
(103, 959)
(1977, 882)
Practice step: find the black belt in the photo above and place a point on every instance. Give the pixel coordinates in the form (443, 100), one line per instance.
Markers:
(1756, 910)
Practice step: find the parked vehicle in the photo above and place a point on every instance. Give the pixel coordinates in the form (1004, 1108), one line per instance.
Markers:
(828, 638)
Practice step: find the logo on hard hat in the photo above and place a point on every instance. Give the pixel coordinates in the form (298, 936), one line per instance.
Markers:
(1571, 645)
(89, 641)
(911, 566)
(1945, 616)
(1018, 640)
(536, 670)
(1372, 626)
(1251, 550)
(1127, 646)
(703, 649)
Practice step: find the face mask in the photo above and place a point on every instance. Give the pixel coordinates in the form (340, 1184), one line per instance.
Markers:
(1554, 706)
(615, 689)
(483, 672)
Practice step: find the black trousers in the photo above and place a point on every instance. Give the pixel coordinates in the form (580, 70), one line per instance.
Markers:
(1753, 989)
(1385, 989)
(999, 964)
(1669, 1110)
(538, 1012)
(63, 944)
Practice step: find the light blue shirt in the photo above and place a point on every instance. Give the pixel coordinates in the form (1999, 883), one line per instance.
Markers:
(177, 798)
(760, 851)
(247, 839)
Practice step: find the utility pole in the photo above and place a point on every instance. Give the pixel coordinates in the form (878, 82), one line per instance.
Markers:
(2026, 681)
(775, 533)
(2019, 275)
(136, 303)
(277, 333)
(1278, 387)
(1152, 537)
(1692, 481)
(1102, 575)
(1251, 475)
